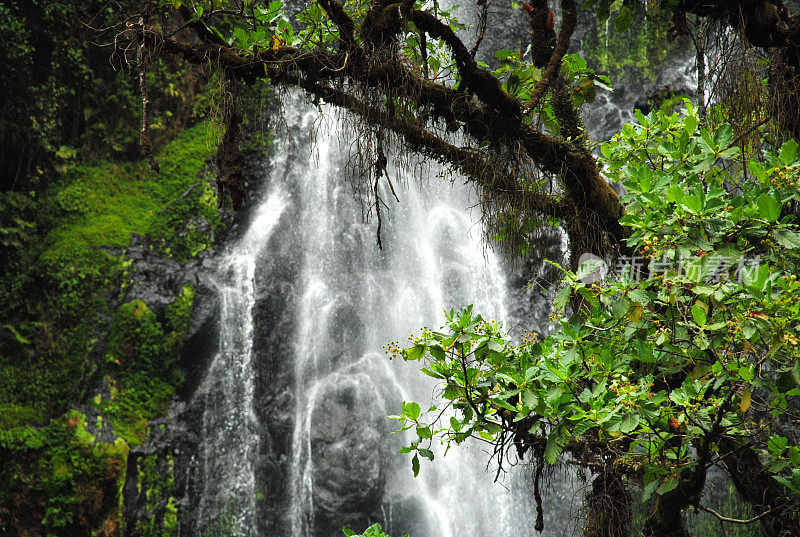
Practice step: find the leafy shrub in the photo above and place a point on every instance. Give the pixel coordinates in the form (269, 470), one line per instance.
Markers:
(682, 357)
(373, 531)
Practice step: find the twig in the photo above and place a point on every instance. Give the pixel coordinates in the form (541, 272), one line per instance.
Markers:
(746, 133)
(553, 68)
(378, 210)
(739, 520)
(188, 190)
(482, 18)
(538, 496)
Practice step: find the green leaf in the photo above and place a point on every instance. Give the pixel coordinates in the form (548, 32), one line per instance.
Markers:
(746, 373)
(768, 208)
(668, 485)
(553, 449)
(530, 399)
(589, 267)
(427, 453)
(703, 290)
(562, 297)
(699, 312)
(437, 352)
(649, 489)
(789, 152)
(423, 431)
(242, 38)
(623, 20)
(415, 465)
(415, 353)
(690, 124)
(465, 318)
(629, 422)
(786, 238)
(748, 330)
(675, 194)
(692, 204)
(433, 374)
(723, 136)
(777, 444)
(411, 410)
(796, 371)
(348, 532)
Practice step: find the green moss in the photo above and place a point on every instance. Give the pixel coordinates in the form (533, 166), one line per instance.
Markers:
(105, 203)
(640, 49)
(156, 481)
(179, 315)
(12, 415)
(60, 280)
(142, 369)
(59, 479)
(69, 279)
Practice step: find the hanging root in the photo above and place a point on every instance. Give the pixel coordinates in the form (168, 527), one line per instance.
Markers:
(230, 159)
(380, 171)
(538, 495)
(608, 507)
(144, 134)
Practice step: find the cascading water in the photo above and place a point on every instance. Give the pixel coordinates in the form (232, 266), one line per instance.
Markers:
(346, 298)
(354, 298)
(230, 428)
(293, 435)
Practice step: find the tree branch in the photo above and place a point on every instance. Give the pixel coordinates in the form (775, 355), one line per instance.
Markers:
(341, 19)
(467, 161)
(740, 520)
(553, 68)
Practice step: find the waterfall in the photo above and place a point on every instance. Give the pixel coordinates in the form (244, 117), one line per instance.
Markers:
(353, 299)
(293, 434)
(230, 428)
(323, 423)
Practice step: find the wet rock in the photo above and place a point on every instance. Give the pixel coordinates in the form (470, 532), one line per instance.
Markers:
(348, 447)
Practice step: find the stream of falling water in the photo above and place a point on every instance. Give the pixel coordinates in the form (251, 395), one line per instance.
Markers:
(230, 431)
(432, 259)
(350, 298)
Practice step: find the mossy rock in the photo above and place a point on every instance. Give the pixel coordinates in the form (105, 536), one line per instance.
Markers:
(60, 480)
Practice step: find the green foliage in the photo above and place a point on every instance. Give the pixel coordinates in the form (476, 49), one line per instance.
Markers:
(520, 77)
(179, 317)
(141, 364)
(65, 99)
(638, 42)
(57, 285)
(373, 531)
(60, 476)
(103, 205)
(662, 366)
(58, 280)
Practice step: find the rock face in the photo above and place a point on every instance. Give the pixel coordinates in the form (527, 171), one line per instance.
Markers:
(349, 450)
(158, 488)
(159, 280)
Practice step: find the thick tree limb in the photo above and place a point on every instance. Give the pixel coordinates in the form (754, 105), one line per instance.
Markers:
(477, 80)
(553, 68)
(761, 21)
(479, 107)
(341, 19)
(467, 161)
